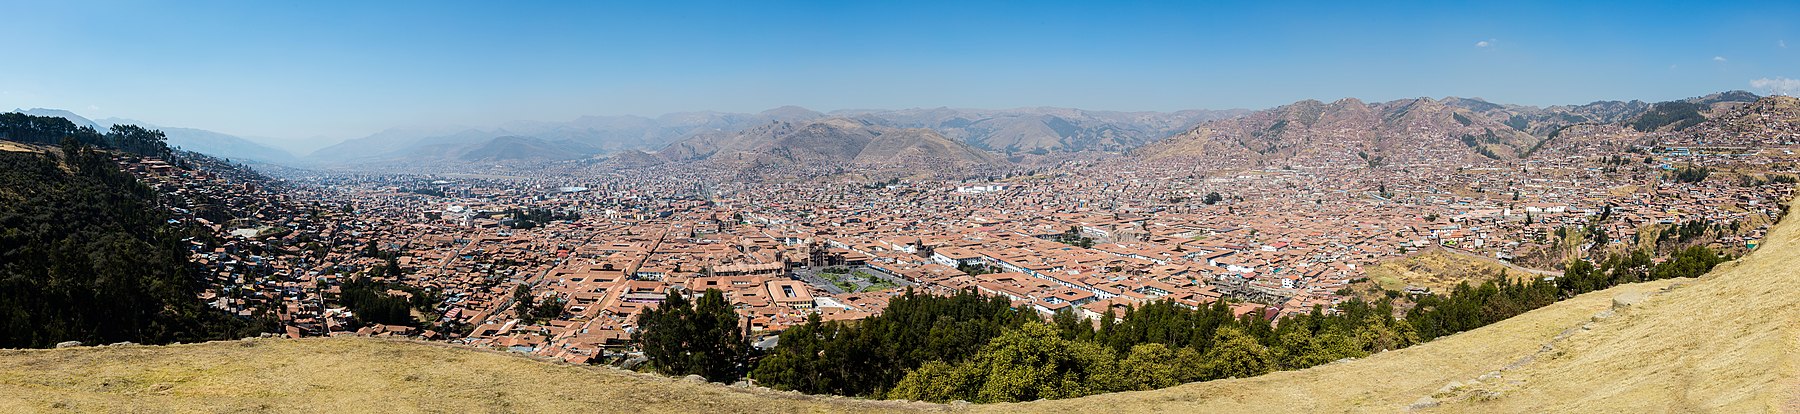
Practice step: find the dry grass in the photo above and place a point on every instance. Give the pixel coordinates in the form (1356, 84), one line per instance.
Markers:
(346, 374)
(1437, 269)
(1722, 343)
(10, 146)
(1726, 343)
(359, 375)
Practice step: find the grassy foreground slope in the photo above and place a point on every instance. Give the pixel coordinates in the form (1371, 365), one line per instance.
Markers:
(1386, 382)
(1723, 343)
(359, 375)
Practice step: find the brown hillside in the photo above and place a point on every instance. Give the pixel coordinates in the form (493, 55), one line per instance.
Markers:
(832, 141)
(922, 146)
(1440, 270)
(1347, 132)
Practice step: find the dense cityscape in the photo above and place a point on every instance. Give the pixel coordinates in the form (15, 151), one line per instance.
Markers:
(560, 262)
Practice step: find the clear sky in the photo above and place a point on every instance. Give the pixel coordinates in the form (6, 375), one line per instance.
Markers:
(296, 70)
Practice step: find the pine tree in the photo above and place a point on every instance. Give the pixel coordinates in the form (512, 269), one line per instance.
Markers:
(701, 338)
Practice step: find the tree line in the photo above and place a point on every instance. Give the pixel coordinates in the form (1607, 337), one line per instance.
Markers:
(980, 349)
(530, 311)
(1156, 345)
(1690, 174)
(51, 130)
(533, 217)
(1680, 114)
(1469, 307)
(371, 303)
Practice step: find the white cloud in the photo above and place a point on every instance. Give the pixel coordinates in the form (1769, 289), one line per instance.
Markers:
(1777, 85)
(1485, 43)
(1718, 58)
(1782, 43)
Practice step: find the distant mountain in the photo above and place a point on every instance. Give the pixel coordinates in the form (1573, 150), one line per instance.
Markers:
(920, 146)
(394, 140)
(588, 134)
(1406, 131)
(790, 113)
(213, 143)
(829, 142)
(71, 116)
(633, 159)
(1541, 122)
(1687, 113)
(1026, 130)
(1672, 115)
(1766, 122)
(1041, 130)
(197, 140)
(511, 148)
(1348, 131)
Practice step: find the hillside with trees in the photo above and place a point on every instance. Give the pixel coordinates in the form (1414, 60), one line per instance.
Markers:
(49, 130)
(87, 255)
(980, 349)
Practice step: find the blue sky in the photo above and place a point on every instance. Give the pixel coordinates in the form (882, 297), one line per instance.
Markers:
(318, 70)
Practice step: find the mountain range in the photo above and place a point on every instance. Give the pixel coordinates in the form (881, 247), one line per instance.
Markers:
(1419, 130)
(828, 142)
(1041, 130)
(580, 138)
(1308, 132)
(1032, 130)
